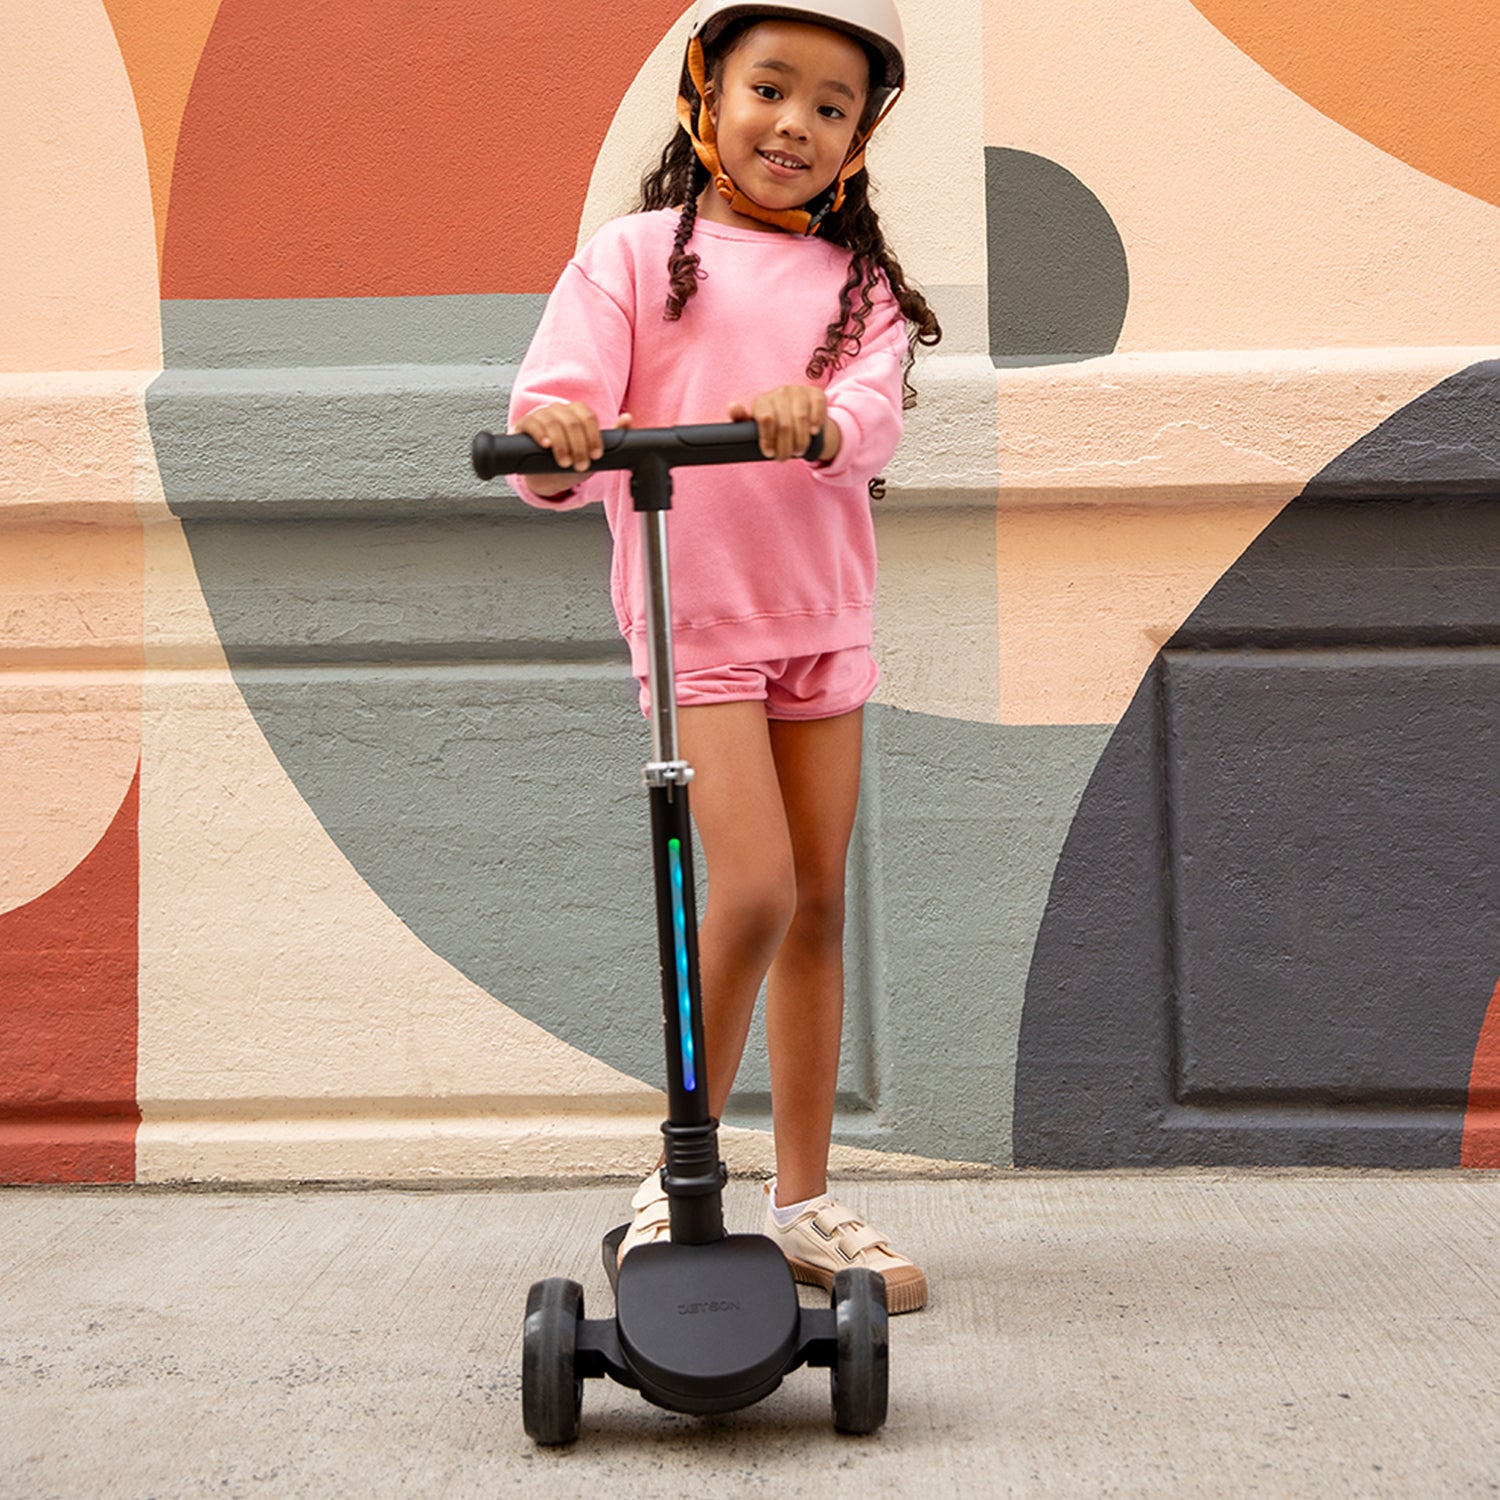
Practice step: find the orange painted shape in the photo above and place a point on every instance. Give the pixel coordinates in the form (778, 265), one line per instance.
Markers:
(390, 148)
(68, 1027)
(161, 42)
(1418, 78)
(1481, 1146)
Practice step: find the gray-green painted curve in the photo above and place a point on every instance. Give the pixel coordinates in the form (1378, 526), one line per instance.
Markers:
(437, 669)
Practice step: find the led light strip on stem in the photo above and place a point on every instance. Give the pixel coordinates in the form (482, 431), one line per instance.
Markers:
(679, 933)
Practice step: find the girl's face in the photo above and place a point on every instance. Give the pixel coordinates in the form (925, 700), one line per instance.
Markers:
(785, 105)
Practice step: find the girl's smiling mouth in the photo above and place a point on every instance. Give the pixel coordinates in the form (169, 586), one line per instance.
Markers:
(782, 162)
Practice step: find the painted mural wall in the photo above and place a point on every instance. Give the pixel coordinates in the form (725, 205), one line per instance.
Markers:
(321, 853)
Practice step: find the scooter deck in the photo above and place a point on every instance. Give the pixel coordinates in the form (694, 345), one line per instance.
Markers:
(710, 1327)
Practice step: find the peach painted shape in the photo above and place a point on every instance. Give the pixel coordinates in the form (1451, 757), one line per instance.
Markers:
(1249, 220)
(1129, 484)
(1418, 78)
(161, 42)
(81, 319)
(1481, 1145)
(1088, 596)
(69, 743)
(78, 284)
(71, 607)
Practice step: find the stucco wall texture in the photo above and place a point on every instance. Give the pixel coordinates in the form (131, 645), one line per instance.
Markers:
(321, 854)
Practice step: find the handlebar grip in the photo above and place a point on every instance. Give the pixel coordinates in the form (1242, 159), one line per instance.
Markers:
(493, 455)
(625, 447)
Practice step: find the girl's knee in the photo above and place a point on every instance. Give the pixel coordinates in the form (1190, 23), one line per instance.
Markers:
(759, 915)
(819, 915)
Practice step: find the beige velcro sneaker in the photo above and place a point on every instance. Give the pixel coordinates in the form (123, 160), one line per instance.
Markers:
(827, 1238)
(653, 1217)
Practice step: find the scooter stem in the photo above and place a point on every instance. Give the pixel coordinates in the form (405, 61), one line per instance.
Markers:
(693, 1175)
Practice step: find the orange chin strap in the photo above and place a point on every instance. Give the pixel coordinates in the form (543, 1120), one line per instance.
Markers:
(705, 144)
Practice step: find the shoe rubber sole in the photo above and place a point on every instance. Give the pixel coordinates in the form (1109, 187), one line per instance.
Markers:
(900, 1296)
(609, 1252)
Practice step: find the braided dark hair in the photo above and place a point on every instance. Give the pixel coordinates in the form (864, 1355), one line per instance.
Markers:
(678, 180)
(683, 267)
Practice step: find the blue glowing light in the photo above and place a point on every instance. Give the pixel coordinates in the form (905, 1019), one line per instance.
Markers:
(679, 933)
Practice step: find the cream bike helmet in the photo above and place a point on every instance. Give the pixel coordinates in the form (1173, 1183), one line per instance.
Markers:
(875, 23)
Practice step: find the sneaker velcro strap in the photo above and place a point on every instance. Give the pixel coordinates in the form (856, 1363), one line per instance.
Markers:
(829, 1220)
(649, 1193)
(857, 1238)
(852, 1236)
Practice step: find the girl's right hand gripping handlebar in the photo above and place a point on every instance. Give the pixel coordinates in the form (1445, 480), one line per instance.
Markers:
(628, 447)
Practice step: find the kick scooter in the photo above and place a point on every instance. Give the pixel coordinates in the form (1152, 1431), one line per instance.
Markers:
(708, 1322)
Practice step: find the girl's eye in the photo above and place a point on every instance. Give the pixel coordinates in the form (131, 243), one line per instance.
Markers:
(767, 90)
(832, 111)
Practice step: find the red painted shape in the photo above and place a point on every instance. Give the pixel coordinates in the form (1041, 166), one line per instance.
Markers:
(1481, 1146)
(397, 147)
(68, 1026)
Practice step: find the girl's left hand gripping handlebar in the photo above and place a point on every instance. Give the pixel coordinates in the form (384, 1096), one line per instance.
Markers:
(625, 447)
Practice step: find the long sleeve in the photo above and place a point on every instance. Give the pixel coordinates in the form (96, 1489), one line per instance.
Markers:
(865, 398)
(580, 352)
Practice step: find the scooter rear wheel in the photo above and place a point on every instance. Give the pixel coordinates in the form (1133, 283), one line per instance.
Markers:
(861, 1375)
(551, 1388)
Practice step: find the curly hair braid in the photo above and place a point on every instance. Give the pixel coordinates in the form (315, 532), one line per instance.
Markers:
(679, 178)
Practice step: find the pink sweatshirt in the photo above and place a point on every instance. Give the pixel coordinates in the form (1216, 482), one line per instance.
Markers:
(768, 560)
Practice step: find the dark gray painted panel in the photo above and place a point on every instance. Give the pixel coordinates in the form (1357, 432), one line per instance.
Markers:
(1446, 443)
(1058, 281)
(1332, 1019)
(1366, 572)
(1312, 797)
(1094, 1064)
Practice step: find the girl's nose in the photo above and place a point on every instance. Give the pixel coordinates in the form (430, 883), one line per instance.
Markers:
(794, 125)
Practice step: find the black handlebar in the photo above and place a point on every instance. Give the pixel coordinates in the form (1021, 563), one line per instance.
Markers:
(625, 447)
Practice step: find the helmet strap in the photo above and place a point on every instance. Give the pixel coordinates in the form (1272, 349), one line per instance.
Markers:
(701, 132)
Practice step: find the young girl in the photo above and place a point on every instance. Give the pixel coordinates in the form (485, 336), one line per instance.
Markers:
(755, 283)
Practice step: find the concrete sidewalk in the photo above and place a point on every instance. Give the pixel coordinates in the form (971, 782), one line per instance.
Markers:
(1132, 1334)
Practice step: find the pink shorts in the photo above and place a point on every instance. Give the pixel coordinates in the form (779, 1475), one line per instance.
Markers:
(798, 687)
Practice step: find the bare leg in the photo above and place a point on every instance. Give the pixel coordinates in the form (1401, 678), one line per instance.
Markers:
(774, 805)
(737, 809)
(817, 764)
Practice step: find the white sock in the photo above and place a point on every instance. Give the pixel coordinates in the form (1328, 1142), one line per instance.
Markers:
(784, 1218)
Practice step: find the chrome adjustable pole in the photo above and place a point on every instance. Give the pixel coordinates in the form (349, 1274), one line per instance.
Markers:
(666, 767)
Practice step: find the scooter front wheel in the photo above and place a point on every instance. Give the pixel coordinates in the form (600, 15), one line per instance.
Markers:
(551, 1388)
(861, 1373)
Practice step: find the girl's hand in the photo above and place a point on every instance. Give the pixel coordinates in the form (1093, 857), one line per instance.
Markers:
(570, 431)
(788, 417)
